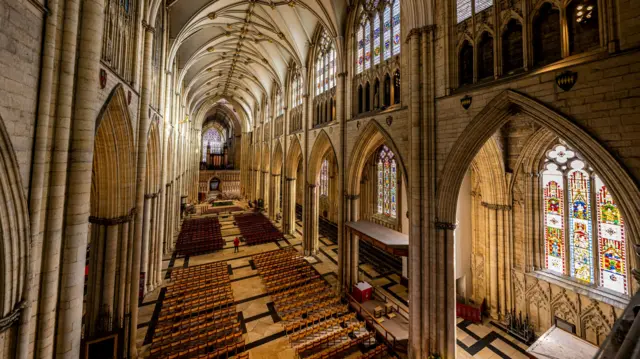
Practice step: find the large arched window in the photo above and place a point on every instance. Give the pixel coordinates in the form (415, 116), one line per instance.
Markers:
(584, 230)
(212, 143)
(387, 183)
(279, 103)
(464, 9)
(296, 90)
(325, 65)
(378, 36)
(324, 178)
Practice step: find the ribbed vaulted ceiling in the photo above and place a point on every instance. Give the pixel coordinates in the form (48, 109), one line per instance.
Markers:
(237, 50)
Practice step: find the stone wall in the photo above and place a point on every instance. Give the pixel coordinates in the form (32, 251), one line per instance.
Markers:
(20, 47)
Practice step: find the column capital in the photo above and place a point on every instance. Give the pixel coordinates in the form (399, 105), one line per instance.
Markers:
(290, 179)
(445, 225)
(147, 27)
(352, 197)
(503, 207)
(342, 74)
(312, 185)
(111, 221)
(420, 30)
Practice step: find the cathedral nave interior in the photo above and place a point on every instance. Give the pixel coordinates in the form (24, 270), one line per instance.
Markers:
(319, 179)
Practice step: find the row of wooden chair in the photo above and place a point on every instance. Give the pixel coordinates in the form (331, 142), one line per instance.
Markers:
(328, 338)
(306, 305)
(379, 349)
(201, 322)
(199, 236)
(320, 327)
(198, 317)
(340, 350)
(257, 229)
(309, 289)
(293, 325)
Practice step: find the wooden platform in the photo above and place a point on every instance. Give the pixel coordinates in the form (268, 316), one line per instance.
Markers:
(382, 237)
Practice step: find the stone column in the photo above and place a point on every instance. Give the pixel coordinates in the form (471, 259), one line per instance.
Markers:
(61, 79)
(445, 283)
(341, 160)
(143, 126)
(159, 241)
(289, 208)
(122, 272)
(146, 224)
(354, 243)
(310, 233)
(74, 246)
(109, 277)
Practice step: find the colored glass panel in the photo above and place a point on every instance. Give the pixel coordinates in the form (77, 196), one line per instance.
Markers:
(553, 218)
(376, 39)
(319, 76)
(387, 32)
(367, 45)
(580, 246)
(324, 178)
(611, 241)
(212, 142)
(393, 194)
(463, 10)
(387, 186)
(396, 27)
(360, 50)
(380, 186)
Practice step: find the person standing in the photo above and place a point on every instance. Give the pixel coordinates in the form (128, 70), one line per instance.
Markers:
(236, 244)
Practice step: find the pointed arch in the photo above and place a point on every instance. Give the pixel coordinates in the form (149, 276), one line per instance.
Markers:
(14, 233)
(276, 167)
(321, 146)
(498, 112)
(113, 179)
(153, 159)
(265, 157)
(293, 158)
(372, 137)
(489, 165)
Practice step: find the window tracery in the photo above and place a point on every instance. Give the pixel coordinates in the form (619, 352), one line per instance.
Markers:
(387, 183)
(378, 35)
(118, 46)
(212, 143)
(324, 178)
(588, 247)
(325, 65)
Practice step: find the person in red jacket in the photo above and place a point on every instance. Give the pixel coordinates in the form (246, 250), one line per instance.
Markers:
(236, 244)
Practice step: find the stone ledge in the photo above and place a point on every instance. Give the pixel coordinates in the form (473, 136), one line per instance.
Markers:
(591, 291)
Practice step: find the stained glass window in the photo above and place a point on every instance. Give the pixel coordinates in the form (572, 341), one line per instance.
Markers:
(396, 27)
(387, 183)
(367, 45)
(360, 49)
(463, 10)
(585, 191)
(319, 76)
(376, 39)
(324, 178)
(387, 32)
(212, 142)
(611, 240)
(325, 66)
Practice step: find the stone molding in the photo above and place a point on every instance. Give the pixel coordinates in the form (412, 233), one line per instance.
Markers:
(10, 319)
(352, 197)
(147, 27)
(502, 207)
(151, 195)
(420, 30)
(289, 179)
(445, 225)
(112, 221)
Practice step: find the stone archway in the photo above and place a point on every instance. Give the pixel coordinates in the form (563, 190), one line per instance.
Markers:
(112, 200)
(276, 181)
(322, 147)
(14, 248)
(151, 248)
(495, 114)
(368, 143)
(294, 155)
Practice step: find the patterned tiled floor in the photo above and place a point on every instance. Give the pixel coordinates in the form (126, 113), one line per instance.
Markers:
(264, 334)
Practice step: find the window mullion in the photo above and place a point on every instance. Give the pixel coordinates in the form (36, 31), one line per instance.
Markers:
(595, 238)
(567, 246)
